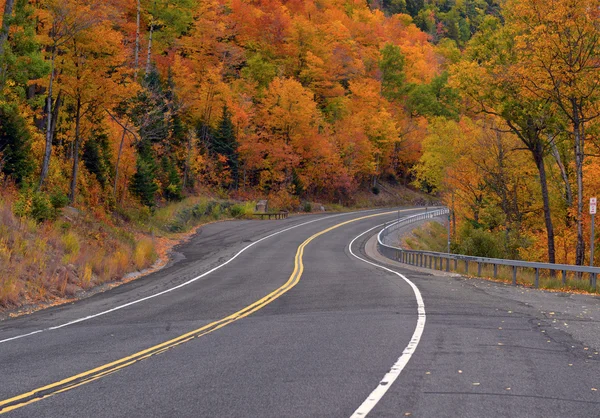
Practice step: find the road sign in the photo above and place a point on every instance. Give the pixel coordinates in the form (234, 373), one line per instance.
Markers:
(592, 206)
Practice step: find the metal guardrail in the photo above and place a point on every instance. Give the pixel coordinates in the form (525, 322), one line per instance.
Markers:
(435, 260)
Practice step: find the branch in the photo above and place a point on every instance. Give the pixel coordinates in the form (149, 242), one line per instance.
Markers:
(121, 125)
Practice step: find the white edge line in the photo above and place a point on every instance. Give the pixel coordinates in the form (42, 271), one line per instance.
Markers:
(391, 376)
(116, 308)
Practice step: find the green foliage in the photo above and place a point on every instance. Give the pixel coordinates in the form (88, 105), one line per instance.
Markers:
(23, 60)
(242, 210)
(172, 188)
(170, 18)
(58, 199)
(35, 205)
(15, 145)
(393, 78)
(224, 143)
(480, 243)
(395, 6)
(262, 71)
(434, 99)
(143, 183)
(96, 156)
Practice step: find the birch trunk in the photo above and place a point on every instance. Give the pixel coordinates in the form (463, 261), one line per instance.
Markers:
(149, 56)
(76, 151)
(136, 64)
(48, 148)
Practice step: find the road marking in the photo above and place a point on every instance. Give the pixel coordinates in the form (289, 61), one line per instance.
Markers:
(116, 308)
(109, 368)
(391, 376)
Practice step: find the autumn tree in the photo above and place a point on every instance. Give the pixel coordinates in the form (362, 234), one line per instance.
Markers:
(487, 77)
(66, 19)
(558, 45)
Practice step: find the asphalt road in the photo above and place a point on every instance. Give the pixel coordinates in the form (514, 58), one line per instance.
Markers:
(295, 326)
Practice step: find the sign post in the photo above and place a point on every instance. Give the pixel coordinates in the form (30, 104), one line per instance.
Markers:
(448, 233)
(593, 213)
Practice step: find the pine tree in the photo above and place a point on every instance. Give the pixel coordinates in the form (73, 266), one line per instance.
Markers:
(15, 147)
(143, 184)
(172, 187)
(224, 142)
(96, 156)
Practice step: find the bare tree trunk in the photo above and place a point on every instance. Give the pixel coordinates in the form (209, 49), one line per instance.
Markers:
(149, 56)
(579, 146)
(538, 156)
(118, 161)
(55, 111)
(136, 64)
(76, 150)
(187, 160)
(563, 173)
(48, 149)
(6, 17)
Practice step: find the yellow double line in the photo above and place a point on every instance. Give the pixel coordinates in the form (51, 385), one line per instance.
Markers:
(109, 368)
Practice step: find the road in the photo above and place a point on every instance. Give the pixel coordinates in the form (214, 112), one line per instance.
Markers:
(283, 319)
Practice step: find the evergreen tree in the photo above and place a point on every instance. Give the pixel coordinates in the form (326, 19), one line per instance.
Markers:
(143, 183)
(393, 78)
(96, 156)
(224, 142)
(172, 187)
(15, 147)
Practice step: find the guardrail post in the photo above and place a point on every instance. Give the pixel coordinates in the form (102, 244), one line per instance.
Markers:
(593, 281)
(435, 263)
(447, 264)
(479, 269)
(495, 270)
(537, 277)
(455, 264)
(466, 266)
(514, 281)
(430, 261)
(564, 277)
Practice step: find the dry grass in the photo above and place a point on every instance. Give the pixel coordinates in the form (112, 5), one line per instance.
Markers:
(79, 250)
(144, 254)
(43, 262)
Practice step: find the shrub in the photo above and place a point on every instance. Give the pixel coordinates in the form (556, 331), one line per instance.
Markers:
(58, 199)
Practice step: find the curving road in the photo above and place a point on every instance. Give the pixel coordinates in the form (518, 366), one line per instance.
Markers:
(285, 319)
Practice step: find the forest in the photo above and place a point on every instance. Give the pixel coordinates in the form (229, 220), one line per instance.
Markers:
(127, 106)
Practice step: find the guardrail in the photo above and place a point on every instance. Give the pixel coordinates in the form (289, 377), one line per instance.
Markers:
(435, 260)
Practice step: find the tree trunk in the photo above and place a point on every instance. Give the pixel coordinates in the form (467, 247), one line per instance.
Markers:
(187, 160)
(118, 161)
(6, 17)
(149, 56)
(136, 64)
(538, 156)
(76, 150)
(55, 111)
(563, 173)
(48, 148)
(577, 131)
